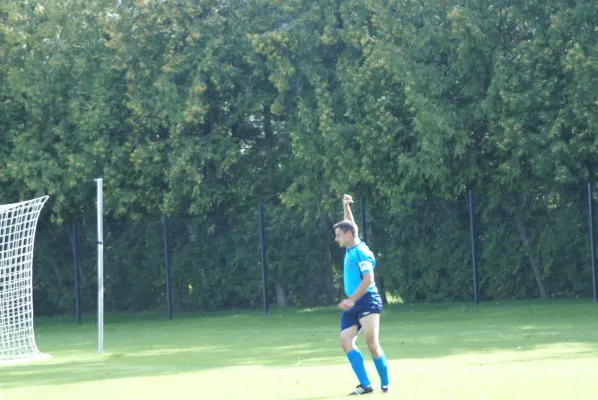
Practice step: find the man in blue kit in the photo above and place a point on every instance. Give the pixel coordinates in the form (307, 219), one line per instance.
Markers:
(363, 305)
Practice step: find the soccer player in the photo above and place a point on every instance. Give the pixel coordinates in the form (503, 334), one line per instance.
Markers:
(363, 305)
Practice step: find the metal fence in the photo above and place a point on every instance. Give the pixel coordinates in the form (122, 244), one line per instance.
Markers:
(474, 249)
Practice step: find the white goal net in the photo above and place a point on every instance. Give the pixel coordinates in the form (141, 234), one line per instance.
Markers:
(17, 235)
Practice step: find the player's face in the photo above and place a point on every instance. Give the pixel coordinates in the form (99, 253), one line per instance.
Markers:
(342, 238)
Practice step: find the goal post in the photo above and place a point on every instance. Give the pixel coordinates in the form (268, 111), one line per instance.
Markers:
(18, 223)
(100, 227)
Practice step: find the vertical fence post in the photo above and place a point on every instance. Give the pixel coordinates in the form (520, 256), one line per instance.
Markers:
(592, 237)
(364, 235)
(167, 266)
(474, 258)
(264, 262)
(76, 267)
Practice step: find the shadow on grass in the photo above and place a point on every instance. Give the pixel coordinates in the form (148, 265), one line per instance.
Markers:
(135, 347)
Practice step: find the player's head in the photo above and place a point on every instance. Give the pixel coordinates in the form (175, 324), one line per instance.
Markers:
(345, 233)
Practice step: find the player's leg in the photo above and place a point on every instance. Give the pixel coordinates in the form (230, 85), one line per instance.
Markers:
(349, 339)
(371, 330)
(349, 331)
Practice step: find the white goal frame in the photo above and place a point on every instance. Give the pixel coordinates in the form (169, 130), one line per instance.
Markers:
(100, 227)
(18, 223)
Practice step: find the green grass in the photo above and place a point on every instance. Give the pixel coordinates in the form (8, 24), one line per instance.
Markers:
(523, 350)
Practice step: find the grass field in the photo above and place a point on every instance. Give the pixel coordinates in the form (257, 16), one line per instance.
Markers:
(528, 350)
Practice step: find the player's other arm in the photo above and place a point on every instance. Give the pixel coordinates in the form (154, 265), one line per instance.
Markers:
(366, 280)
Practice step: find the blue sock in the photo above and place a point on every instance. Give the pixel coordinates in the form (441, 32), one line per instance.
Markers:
(382, 369)
(356, 360)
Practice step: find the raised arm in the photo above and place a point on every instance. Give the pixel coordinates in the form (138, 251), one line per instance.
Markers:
(347, 200)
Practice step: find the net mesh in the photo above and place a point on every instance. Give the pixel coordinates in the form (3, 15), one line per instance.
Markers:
(17, 235)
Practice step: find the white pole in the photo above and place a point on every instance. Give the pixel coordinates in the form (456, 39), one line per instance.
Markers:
(100, 204)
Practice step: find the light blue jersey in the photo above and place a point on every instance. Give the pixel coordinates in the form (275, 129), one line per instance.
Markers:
(358, 260)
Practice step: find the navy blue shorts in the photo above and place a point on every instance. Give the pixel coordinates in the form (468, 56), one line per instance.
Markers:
(369, 303)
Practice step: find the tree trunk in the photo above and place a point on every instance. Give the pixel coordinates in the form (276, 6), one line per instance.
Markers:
(530, 255)
(281, 296)
(381, 289)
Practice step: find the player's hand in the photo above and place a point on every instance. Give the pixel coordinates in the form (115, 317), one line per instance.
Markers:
(346, 304)
(347, 200)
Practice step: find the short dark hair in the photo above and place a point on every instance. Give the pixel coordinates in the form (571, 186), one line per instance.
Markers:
(346, 226)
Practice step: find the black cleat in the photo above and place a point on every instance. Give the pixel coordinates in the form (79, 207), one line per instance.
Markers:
(385, 389)
(360, 389)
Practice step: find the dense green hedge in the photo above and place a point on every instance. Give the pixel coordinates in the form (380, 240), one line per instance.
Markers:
(423, 253)
(202, 109)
